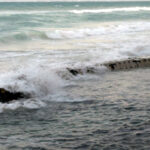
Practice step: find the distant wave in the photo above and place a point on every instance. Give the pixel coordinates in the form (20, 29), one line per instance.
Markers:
(11, 12)
(82, 11)
(108, 10)
(60, 34)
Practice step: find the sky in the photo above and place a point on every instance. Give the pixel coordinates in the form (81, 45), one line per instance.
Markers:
(62, 0)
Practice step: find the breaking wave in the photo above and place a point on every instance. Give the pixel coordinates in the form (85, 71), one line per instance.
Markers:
(102, 30)
(43, 85)
(46, 82)
(77, 11)
(35, 12)
(36, 81)
(109, 10)
(73, 33)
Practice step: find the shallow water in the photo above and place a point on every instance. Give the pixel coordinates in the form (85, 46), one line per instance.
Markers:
(112, 114)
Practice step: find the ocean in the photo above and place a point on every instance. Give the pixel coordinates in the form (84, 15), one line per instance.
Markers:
(103, 110)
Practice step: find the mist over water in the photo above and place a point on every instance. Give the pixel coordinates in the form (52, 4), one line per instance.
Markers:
(103, 110)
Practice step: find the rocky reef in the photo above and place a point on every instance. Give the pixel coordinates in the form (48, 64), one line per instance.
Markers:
(7, 96)
(119, 65)
(128, 64)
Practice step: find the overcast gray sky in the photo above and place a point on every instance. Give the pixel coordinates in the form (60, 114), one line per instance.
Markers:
(62, 0)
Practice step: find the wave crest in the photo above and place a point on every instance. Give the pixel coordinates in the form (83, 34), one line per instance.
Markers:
(109, 10)
(73, 33)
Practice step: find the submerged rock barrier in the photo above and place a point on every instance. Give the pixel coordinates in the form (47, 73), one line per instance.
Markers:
(126, 64)
(7, 96)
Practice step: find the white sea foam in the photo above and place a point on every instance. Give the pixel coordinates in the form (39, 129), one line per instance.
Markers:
(77, 33)
(102, 30)
(30, 104)
(109, 10)
(77, 11)
(47, 82)
(43, 83)
(43, 73)
(34, 79)
(12, 12)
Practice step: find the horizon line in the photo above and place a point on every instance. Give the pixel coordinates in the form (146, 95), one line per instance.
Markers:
(74, 1)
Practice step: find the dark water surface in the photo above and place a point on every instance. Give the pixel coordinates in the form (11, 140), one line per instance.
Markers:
(101, 111)
(114, 115)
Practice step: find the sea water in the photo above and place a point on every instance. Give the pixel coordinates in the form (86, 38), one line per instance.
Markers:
(105, 110)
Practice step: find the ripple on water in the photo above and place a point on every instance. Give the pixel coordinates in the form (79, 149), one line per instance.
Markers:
(113, 121)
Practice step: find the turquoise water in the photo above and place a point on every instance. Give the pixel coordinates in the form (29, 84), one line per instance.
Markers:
(100, 111)
(18, 18)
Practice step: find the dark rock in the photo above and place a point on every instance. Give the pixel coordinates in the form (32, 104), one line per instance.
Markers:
(78, 71)
(7, 96)
(74, 72)
(90, 70)
(136, 61)
(127, 64)
(112, 66)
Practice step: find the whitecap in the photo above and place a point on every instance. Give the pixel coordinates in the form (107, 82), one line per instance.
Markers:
(109, 10)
